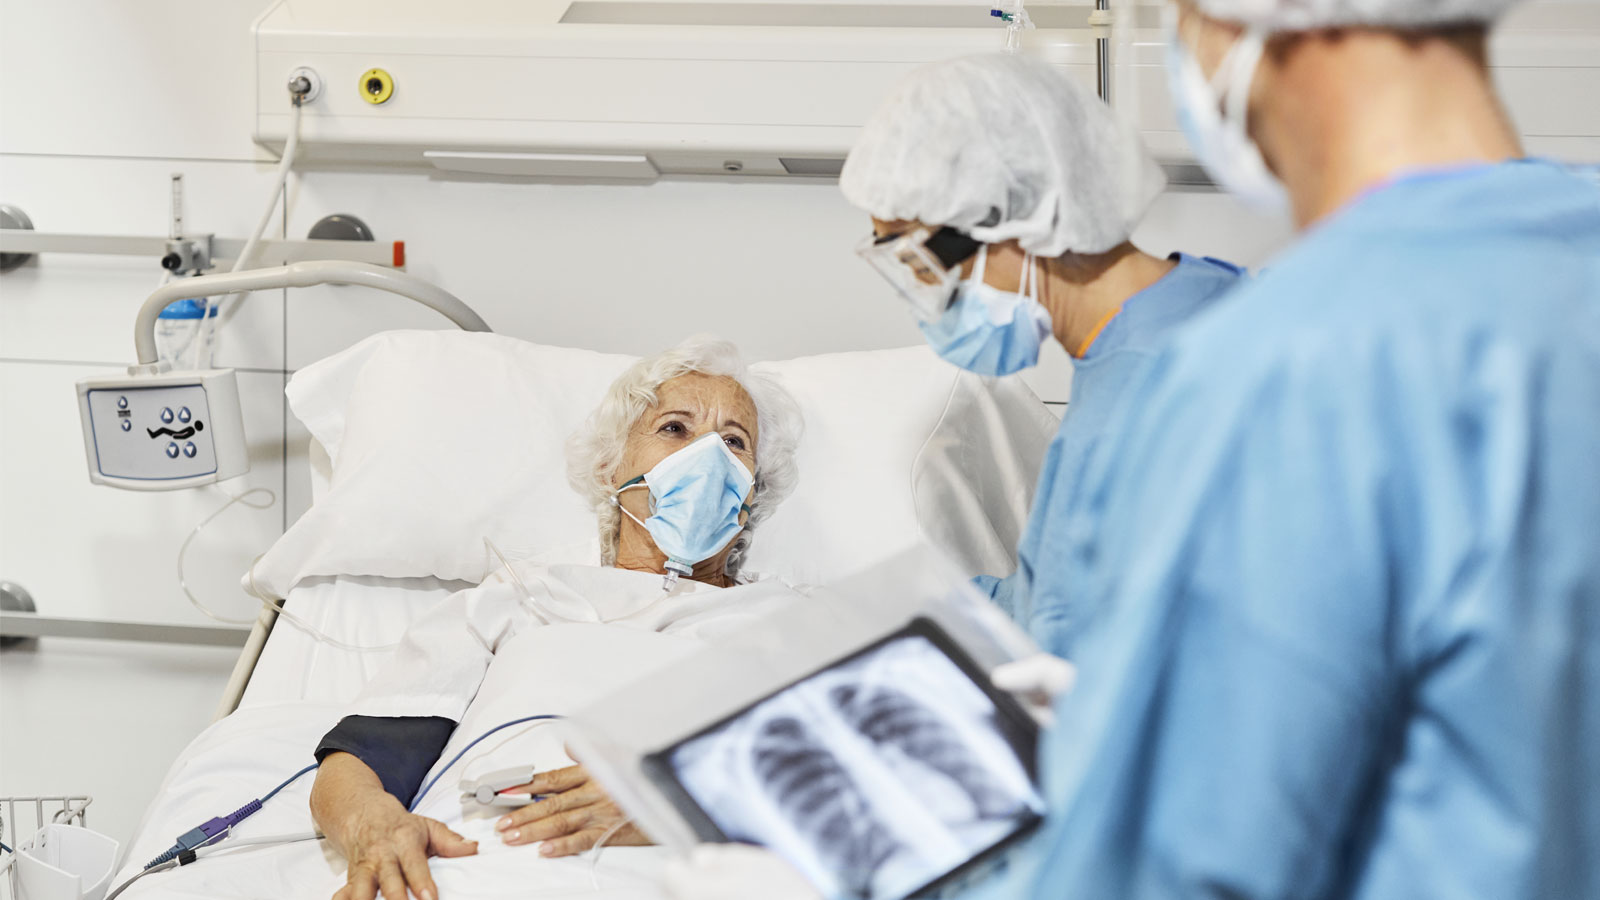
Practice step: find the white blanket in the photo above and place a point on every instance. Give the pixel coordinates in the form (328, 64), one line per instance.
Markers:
(550, 654)
(244, 755)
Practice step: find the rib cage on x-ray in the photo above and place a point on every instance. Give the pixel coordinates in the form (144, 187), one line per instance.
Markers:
(873, 777)
(886, 715)
(807, 782)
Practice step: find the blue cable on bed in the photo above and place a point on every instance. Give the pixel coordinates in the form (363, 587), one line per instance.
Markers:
(211, 831)
(216, 829)
(417, 800)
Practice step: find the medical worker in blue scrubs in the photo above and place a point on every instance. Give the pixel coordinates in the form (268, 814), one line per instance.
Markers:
(1002, 196)
(1340, 564)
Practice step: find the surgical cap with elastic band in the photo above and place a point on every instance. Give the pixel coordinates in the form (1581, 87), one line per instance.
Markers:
(1304, 15)
(1002, 147)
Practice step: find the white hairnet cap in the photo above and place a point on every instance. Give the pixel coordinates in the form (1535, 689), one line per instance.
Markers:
(1001, 147)
(1303, 15)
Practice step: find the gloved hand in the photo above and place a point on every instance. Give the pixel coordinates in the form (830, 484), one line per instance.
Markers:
(1036, 680)
(735, 872)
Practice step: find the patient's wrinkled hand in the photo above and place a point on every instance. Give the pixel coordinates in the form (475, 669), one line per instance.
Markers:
(575, 816)
(388, 850)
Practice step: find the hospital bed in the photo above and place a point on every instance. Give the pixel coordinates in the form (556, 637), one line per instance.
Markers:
(425, 443)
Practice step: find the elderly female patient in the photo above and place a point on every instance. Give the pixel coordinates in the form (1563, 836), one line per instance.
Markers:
(687, 453)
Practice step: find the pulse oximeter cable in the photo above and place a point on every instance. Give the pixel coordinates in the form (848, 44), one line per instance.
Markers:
(417, 800)
(208, 832)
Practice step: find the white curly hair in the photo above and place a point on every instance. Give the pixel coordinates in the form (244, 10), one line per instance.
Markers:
(595, 451)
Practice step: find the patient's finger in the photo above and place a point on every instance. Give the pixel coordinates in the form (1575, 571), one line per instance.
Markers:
(558, 825)
(444, 842)
(362, 882)
(557, 780)
(414, 866)
(391, 881)
(572, 843)
(586, 794)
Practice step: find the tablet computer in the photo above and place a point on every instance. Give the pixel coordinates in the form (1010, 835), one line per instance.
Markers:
(878, 776)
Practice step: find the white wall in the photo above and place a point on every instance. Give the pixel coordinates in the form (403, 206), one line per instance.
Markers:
(99, 101)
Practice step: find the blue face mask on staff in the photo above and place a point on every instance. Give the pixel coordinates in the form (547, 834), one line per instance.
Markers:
(696, 496)
(987, 330)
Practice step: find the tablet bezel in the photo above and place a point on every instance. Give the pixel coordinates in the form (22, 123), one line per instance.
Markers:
(1018, 729)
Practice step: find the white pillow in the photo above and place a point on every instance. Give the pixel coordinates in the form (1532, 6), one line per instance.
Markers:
(902, 447)
(438, 439)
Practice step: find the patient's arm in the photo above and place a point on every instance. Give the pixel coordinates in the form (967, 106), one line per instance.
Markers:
(575, 816)
(386, 847)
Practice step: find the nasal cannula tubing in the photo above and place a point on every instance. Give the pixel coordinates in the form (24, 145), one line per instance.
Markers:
(527, 595)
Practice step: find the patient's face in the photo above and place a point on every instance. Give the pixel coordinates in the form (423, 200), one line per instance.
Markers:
(687, 407)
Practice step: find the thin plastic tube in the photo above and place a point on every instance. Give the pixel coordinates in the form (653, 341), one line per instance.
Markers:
(226, 310)
(212, 847)
(275, 604)
(183, 550)
(527, 595)
(599, 847)
(260, 842)
(254, 591)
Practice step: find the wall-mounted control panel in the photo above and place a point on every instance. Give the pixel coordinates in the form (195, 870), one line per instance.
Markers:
(163, 432)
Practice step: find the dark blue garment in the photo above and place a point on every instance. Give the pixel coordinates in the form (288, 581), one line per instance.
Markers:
(1036, 595)
(401, 749)
(1341, 573)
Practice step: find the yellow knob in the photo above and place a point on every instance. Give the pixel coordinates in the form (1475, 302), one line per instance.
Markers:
(376, 85)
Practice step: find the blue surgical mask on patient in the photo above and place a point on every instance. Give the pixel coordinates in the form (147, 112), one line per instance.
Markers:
(696, 495)
(987, 330)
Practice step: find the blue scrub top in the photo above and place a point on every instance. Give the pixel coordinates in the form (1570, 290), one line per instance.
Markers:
(1342, 566)
(1037, 595)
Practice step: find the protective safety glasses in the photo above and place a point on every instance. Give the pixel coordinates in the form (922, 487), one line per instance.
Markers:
(923, 265)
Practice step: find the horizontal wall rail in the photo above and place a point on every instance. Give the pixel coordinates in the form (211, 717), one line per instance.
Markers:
(30, 625)
(224, 250)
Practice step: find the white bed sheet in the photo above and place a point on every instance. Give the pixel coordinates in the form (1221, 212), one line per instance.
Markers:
(244, 755)
(300, 688)
(360, 610)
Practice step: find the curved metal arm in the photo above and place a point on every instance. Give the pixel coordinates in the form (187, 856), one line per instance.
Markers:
(301, 274)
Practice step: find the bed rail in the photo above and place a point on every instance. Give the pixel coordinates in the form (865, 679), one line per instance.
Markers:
(246, 664)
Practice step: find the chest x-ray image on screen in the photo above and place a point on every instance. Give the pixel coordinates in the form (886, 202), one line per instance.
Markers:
(875, 777)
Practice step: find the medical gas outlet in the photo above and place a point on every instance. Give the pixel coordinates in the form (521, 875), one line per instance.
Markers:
(377, 86)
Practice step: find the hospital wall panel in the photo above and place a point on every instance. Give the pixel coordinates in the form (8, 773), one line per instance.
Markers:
(614, 267)
(103, 719)
(173, 79)
(78, 307)
(633, 268)
(96, 552)
(1209, 223)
